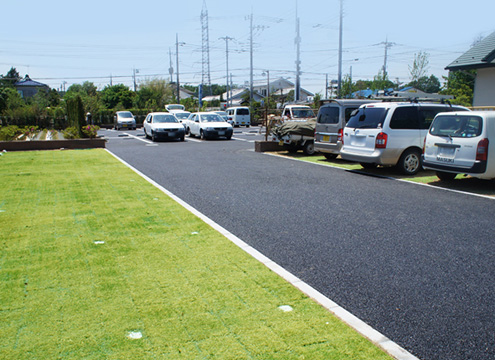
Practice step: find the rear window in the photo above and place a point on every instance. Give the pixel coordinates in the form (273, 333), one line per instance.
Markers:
(328, 115)
(457, 126)
(242, 111)
(367, 118)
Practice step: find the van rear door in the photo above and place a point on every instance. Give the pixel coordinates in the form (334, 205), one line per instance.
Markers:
(362, 129)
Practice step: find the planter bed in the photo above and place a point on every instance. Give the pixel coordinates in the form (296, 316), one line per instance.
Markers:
(52, 144)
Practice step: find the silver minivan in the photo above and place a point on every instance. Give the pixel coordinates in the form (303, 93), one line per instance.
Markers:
(390, 134)
(330, 122)
(458, 143)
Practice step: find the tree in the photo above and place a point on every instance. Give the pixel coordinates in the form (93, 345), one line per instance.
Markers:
(427, 84)
(89, 96)
(154, 94)
(75, 113)
(460, 84)
(10, 78)
(419, 67)
(381, 82)
(117, 97)
(10, 99)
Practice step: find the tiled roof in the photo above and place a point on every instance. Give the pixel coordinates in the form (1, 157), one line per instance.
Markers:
(28, 82)
(481, 55)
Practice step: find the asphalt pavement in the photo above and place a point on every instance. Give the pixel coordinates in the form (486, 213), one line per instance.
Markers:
(414, 262)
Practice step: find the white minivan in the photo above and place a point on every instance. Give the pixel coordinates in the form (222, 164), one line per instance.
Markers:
(238, 116)
(390, 134)
(458, 143)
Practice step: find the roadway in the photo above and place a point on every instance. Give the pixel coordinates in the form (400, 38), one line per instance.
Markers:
(414, 262)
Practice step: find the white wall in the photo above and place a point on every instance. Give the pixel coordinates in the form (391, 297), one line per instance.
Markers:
(484, 87)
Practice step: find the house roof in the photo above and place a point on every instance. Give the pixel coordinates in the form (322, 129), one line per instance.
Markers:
(481, 55)
(28, 82)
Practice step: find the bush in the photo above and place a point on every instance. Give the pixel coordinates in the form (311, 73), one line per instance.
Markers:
(71, 133)
(90, 131)
(9, 133)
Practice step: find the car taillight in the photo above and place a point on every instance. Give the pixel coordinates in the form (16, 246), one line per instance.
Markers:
(340, 136)
(381, 141)
(482, 150)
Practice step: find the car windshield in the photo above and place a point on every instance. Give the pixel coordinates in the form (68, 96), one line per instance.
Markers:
(164, 119)
(125, 115)
(211, 118)
(302, 113)
(242, 111)
(175, 107)
(181, 116)
(367, 118)
(456, 126)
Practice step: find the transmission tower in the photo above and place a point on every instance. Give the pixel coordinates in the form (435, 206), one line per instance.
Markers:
(205, 78)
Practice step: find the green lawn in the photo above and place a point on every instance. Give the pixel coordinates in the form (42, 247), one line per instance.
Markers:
(92, 256)
(461, 182)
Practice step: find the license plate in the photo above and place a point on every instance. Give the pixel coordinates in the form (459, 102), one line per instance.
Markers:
(446, 152)
(124, 125)
(171, 134)
(221, 133)
(326, 138)
(445, 159)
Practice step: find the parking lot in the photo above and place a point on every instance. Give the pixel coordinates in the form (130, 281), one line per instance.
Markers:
(414, 262)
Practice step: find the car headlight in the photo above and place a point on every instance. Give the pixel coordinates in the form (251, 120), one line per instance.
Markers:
(210, 129)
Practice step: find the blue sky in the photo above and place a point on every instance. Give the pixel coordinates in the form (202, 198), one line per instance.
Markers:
(67, 41)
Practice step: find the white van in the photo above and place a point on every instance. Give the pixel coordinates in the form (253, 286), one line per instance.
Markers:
(458, 143)
(238, 116)
(390, 134)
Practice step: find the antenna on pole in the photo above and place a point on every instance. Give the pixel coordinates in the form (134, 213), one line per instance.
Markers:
(297, 89)
(339, 80)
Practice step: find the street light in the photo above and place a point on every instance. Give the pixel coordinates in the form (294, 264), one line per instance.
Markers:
(177, 58)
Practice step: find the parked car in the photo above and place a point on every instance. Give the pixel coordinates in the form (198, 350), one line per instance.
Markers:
(330, 122)
(162, 125)
(223, 115)
(390, 134)
(239, 115)
(124, 120)
(181, 115)
(208, 125)
(458, 143)
(170, 107)
(297, 113)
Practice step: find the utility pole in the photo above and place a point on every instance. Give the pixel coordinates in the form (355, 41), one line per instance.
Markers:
(297, 89)
(251, 61)
(339, 80)
(387, 45)
(111, 80)
(134, 72)
(326, 86)
(171, 67)
(226, 38)
(177, 64)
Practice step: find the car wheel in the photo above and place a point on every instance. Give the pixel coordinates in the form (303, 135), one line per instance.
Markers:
(446, 176)
(229, 137)
(190, 133)
(247, 126)
(309, 148)
(330, 156)
(410, 162)
(202, 135)
(368, 165)
(182, 138)
(145, 135)
(153, 136)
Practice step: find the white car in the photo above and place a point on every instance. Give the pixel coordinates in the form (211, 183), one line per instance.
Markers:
(390, 134)
(181, 115)
(162, 125)
(458, 143)
(207, 125)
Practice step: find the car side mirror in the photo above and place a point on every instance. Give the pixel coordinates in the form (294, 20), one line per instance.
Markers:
(196, 120)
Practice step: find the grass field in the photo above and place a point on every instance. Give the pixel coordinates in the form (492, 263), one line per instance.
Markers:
(96, 263)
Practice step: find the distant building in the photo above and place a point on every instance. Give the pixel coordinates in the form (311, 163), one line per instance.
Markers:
(481, 57)
(28, 88)
(282, 87)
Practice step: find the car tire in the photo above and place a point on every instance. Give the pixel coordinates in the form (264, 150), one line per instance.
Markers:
(309, 148)
(330, 156)
(182, 138)
(445, 176)
(410, 162)
(202, 135)
(153, 136)
(368, 165)
(145, 135)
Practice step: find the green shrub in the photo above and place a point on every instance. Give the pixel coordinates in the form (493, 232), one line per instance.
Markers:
(9, 133)
(90, 131)
(71, 132)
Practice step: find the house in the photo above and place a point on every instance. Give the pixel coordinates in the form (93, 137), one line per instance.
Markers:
(282, 87)
(235, 98)
(28, 88)
(481, 57)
